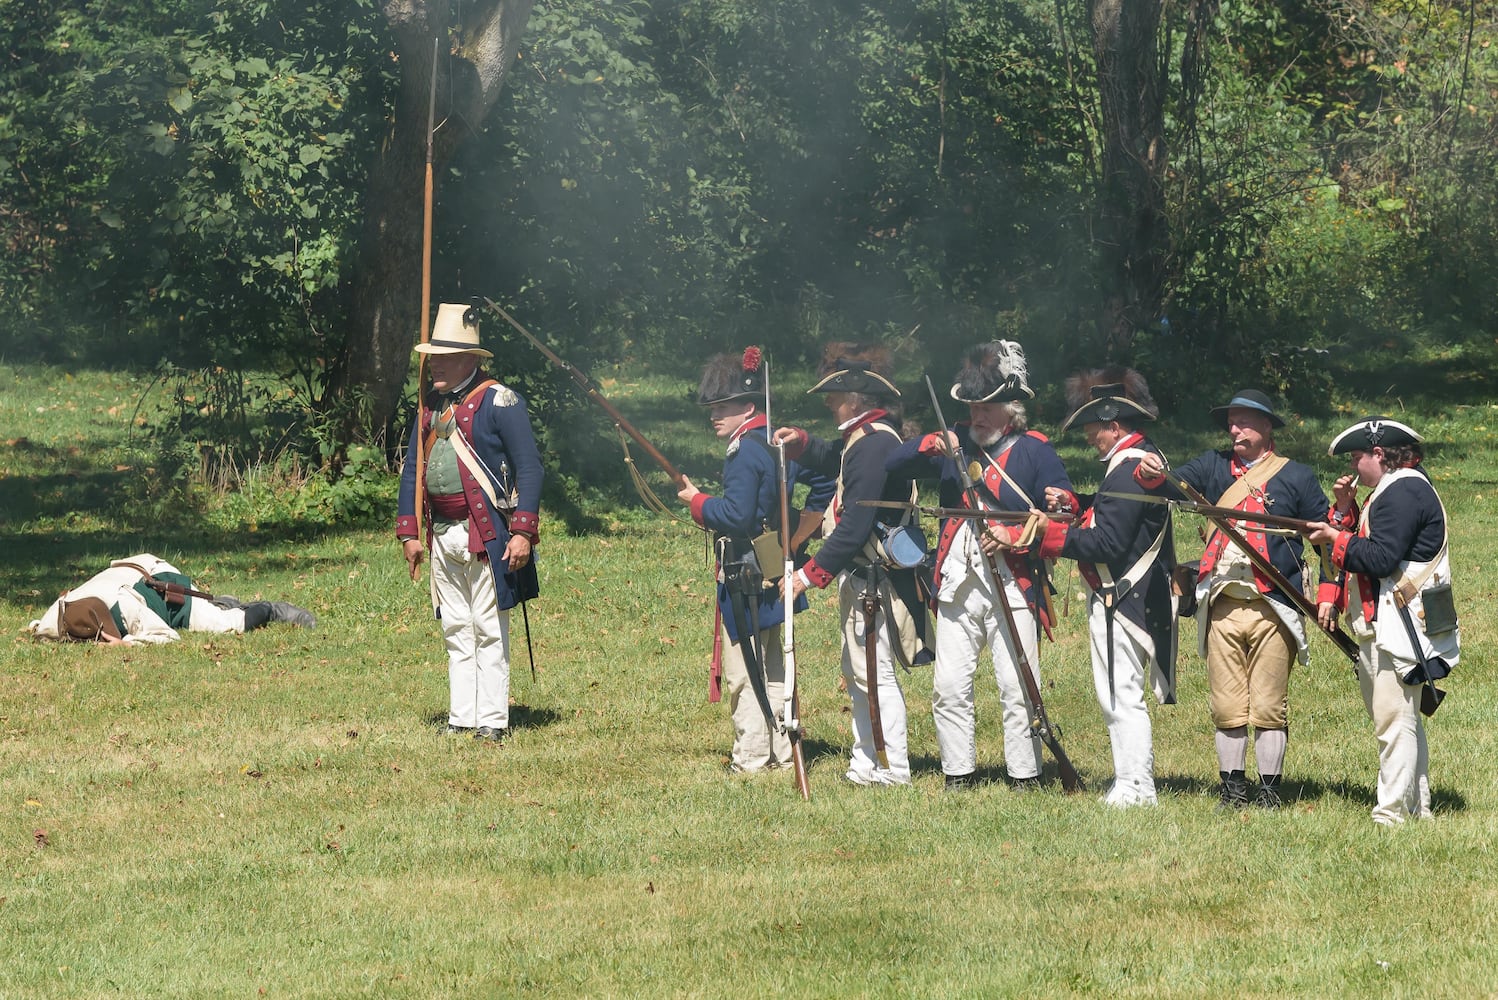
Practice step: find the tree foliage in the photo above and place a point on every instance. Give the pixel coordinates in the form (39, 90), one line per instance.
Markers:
(1203, 188)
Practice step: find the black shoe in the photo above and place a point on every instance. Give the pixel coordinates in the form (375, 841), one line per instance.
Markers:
(490, 733)
(280, 611)
(453, 730)
(959, 782)
(1233, 792)
(1269, 792)
(1025, 784)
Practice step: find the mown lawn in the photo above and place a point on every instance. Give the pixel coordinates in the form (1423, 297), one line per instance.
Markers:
(279, 814)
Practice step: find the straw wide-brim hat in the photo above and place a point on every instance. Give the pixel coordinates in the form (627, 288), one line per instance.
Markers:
(455, 331)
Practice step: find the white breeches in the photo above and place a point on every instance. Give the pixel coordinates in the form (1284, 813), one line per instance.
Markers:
(966, 623)
(1403, 756)
(1124, 710)
(756, 743)
(476, 632)
(863, 763)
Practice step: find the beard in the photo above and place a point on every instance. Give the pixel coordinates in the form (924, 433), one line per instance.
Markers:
(987, 439)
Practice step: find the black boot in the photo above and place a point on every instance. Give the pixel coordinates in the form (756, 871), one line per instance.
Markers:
(256, 615)
(1269, 792)
(959, 782)
(1233, 792)
(292, 615)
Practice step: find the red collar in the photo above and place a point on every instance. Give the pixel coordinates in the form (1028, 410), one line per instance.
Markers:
(754, 422)
(863, 421)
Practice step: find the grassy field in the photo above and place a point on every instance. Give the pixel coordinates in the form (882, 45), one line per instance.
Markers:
(280, 814)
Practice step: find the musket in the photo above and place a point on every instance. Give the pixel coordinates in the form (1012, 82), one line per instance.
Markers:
(586, 384)
(791, 714)
(972, 513)
(1346, 643)
(426, 292)
(174, 593)
(1227, 513)
(1071, 781)
(871, 669)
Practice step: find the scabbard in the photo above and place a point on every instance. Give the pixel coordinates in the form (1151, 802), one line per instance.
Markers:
(871, 669)
(1108, 609)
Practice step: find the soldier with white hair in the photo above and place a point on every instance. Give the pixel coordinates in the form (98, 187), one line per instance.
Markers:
(1013, 469)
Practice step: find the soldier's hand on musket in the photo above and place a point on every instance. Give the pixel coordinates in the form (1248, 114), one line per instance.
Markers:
(992, 541)
(412, 550)
(687, 491)
(798, 586)
(1326, 614)
(518, 552)
(1319, 533)
(1151, 466)
(1055, 499)
(787, 435)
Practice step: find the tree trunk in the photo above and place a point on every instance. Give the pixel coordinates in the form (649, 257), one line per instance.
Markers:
(1131, 221)
(384, 291)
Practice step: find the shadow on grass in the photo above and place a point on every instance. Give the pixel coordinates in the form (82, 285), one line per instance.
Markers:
(1356, 792)
(521, 717)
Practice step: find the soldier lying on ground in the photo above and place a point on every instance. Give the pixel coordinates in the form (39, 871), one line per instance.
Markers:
(146, 599)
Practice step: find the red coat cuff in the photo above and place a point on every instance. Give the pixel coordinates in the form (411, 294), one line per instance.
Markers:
(406, 527)
(698, 502)
(1055, 537)
(1339, 548)
(1148, 482)
(931, 444)
(1329, 592)
(816, 575)
(527, 523)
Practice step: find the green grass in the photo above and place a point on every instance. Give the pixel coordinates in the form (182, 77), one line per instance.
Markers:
(279, 814)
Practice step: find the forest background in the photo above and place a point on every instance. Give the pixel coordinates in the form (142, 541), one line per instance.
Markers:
(228, 197)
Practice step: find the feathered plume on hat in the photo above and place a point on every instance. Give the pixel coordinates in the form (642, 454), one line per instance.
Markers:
(732, 376)
(993, 373)
(1111, 393)
(860, 368)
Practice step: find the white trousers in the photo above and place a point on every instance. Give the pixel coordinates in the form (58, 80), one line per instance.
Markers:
(1403, 755)
(476, 632)
(205, 616)
(863, 763)
(967, 621)
(1124, 710)
(756, 743)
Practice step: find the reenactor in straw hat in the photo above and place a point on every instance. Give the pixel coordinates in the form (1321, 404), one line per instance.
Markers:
(144, 598)
(1012, 470)
(1126, 556)
(1395, 552)
(481, 497)
(1249, 632)
(855, 379)
(750, 605)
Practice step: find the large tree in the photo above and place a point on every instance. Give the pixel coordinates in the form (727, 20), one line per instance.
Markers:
(475, 44)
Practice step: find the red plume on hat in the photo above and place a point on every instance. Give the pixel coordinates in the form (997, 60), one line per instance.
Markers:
(732, 376)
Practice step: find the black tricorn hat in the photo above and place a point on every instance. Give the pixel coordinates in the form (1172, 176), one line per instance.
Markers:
(1105, 394)
(1373, 432)
(732, 376)
(1247, 399)
(993, 373)
(855, 376)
